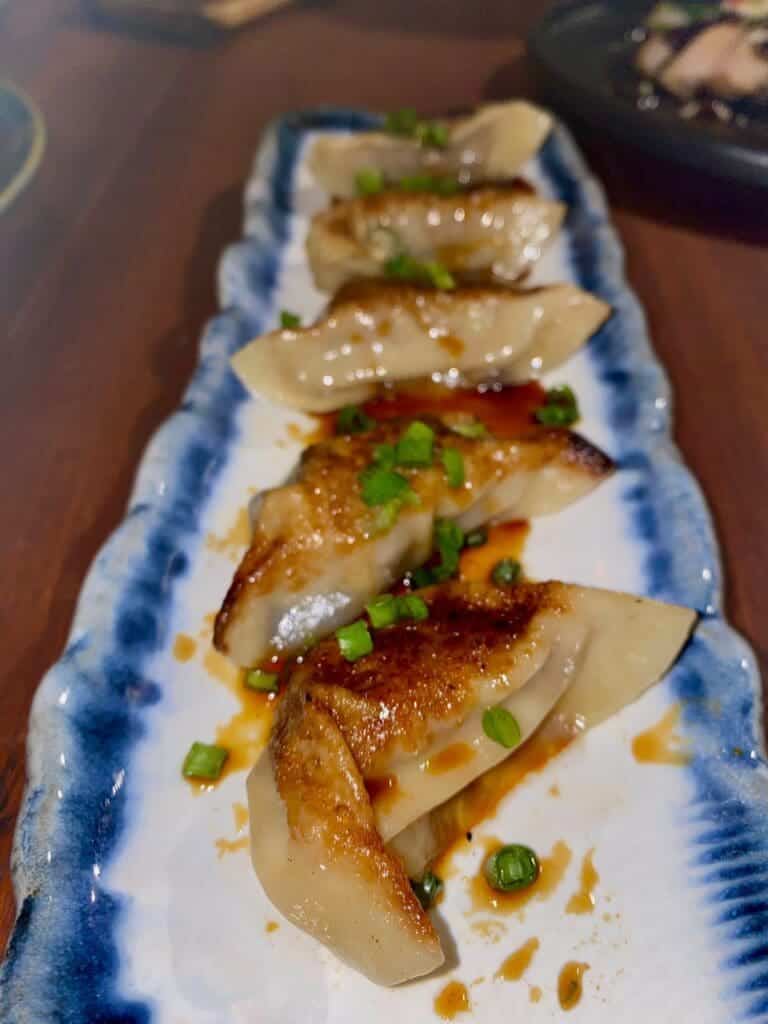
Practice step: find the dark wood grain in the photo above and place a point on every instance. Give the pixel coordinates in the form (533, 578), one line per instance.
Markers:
(107, 269)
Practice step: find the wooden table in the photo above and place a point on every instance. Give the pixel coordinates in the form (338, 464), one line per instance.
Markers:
(107, 268)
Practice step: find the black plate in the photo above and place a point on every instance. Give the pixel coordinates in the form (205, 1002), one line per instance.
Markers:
(579, 50)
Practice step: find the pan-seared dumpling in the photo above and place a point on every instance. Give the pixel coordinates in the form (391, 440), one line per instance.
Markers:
(492, 145)
(376, 332)
(630, 643)
(485, 231)
(361, 749)
(331, 539)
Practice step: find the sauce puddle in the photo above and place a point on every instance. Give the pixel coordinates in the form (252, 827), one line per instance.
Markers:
(662, 744)
(184, 647)
(449, 759)
(583, 900)
(551, 872)
(506, 540)
(570, 984)
(452, 1000)
(517, 963)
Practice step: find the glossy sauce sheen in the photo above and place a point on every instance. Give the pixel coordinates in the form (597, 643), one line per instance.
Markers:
(552, 869)
(517, 963)
(505, 540)
(583, 900)
(662, 744)
(570, 984)
(452, 1000)
(383, 791)
(449, 759)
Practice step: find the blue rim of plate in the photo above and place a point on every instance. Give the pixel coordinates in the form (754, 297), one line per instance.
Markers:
(62, 962)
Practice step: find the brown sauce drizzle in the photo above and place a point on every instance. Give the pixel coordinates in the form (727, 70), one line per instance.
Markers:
(449, 759)
(517, 963)
(184, 647)
(237, 537)
(552, 868)
(505, 540)
(271, 926)
(662, 744)
(224, 846)
(534, 994)
(570, 984)
(452, 1000)
(451, 344)
(583, 900)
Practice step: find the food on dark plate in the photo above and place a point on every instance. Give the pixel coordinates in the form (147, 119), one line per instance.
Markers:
(489, 232)
(491, 145)
(379, 332)
(708, 52)
(361, 509)
(477, 669)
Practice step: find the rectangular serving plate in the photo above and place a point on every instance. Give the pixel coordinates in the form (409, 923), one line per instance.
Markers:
(136, 898)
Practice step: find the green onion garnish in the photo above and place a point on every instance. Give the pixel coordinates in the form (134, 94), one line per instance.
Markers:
(506, 572)
(383, 611)
(352, 420)
(476, 538)
(422, 577)
(560, 409)
(473, 429)
(502, 727)
(401, 122)
(354, 640)
(511, 868)
(384, 456)
(387, 609)
(415, 447)
(265, 682)
(386, 516)
(440, 184)
(432, 133)
(369, 181)
(453, 463)
(411, 606)
(405, 268)
(449, 540)
(381, 486)
(288, 320)
(428, 889)
(204, 761)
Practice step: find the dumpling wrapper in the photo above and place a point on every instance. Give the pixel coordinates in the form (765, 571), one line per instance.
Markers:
(491, 232)
(318, 848)
(491, 145)
(318, 553)
(376, 332)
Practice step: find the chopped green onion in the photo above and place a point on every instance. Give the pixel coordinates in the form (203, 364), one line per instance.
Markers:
(506, 572)
(384, 455)
(476, 538)
(442, 185)
(453, 463)
(265, 682)
(384, 611)
(428, 889)
(369, 181)
(386, 516)
(560, 409)
(288, 321)
(415, 447)
(422, 577)
(410, 606)
(432, 133)
(511, 868)
(381, 486)
(401, 122)
(354, 640)
(449, 540)
(204, 761)
(406, 268)
(502, 727)
(473, 429)
(352, 420)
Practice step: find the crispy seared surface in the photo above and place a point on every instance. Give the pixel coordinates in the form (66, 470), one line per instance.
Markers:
(381, 292)
(322, 515)
(420, 675)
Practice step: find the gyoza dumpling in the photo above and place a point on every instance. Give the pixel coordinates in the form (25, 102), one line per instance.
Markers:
(374, 332)
(491, 145)
(347, 526)
(485, 231)
(405, 722)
